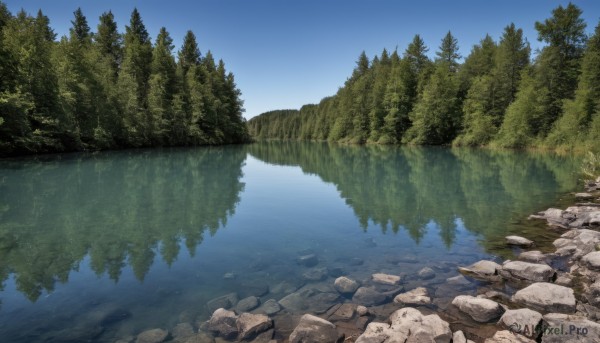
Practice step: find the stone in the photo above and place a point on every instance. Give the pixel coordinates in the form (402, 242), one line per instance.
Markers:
(486, 270)
(459, 337)
(458, 281)
(426, 273)
(247, 304)
(270, 307)
(312, 329)
(309, 260)
(356, 261)
(546, 297)
(592, 260)
(417, 296)
(519, 241)
(249, 325)
(534, 256)
(223, 323)
(368, 296)
(481, 310)
(315, 274)
(520, 321)
(584, 195)
(386, 279)
(362, 310)
(182, 330)
(345, 286)
(344, 312)
(570, 329)
(506, 336)
(527, 271)
(226, 301)
(201, 337)
(309, 300)
(152, 336)
(408, 325)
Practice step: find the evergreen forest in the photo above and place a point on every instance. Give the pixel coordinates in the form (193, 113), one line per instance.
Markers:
(497, 96)
(107, 89)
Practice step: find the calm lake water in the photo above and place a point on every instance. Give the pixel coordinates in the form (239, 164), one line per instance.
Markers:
(101, 246)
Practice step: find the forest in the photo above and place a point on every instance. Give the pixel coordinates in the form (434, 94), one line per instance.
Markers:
(107, 90)
(498, 96)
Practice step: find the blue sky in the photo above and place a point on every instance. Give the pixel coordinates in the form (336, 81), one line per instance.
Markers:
(287, 53)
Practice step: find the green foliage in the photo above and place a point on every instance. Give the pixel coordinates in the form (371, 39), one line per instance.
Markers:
(106, 90)
(590, 167)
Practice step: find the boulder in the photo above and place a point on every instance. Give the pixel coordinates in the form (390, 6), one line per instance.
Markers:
(417, 296)
(368, 296)
(546, 297)
(386, 279)
(226, 301)
(247, 304)
(345, 285)
(459, 282)
(506, 336)
(592, 260)
(223, 323)
(362, 310)
(533, 256)
(408, 325)
(584, 195)
(309, 300)
(269, 307)
(481, 310)
(569, 329)
(527, 271)
(313, 329)
(521, 321)
(152, 336)
(426, 273)
(519, 241)
(345, 312)
(250, 325)
(485, 270)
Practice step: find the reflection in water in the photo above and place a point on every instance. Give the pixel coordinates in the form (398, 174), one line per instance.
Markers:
(409, 187)
(116, 207)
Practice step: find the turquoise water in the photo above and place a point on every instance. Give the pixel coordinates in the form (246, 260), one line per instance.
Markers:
(96, 247)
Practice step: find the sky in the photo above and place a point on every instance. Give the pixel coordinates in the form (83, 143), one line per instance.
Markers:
(287, 53)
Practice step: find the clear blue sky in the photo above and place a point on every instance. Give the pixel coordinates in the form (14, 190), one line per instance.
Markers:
(287, 53)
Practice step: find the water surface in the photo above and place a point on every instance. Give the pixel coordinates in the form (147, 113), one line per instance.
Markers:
(101, 246)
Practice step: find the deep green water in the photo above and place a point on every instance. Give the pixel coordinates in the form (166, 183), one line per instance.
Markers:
(105, 245)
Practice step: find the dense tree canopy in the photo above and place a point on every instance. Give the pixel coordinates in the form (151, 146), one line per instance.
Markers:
(103, 89)
(496, 96)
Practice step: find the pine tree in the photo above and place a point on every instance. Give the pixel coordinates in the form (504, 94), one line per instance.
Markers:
(109, 40)
(448, 52)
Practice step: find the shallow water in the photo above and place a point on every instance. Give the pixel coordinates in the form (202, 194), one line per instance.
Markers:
(100, 246)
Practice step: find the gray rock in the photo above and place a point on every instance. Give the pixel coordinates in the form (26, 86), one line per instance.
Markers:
(386, 279)
(309, 260)
(247, 304)
(521, 321)
(344, 313)
(362, 310)
(459, 337)
(519, 241)
(458, 281)
(592, 260)
(584, 195)
(182, 330)
(368, 296)
(486, 270)
(527, 271)
(481, 310)
(345, 285)
(417, 296)
(506, 336)
(309, 300)
(426, 273)
(201, 337)
(270, 307)
(249, 325)
(547, 297)
(408, 325)
(534, 256)
(223, 323)
(570, 329)
(315, 274)
(152, 336)
(226, 302)
(313, 329)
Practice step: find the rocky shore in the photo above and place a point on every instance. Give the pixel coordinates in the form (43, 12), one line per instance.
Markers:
(539, 297)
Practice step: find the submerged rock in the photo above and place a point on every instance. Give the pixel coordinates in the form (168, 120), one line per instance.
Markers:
(223, 323)
(152, 336)
(345, 285)
(309, 300)
(485, 270)
(547, 297)
(183, 330)
(527, 271)
(417, 296)
(426, 273)
(247, 304)
(315, 274)
(270, 307)
(386, 279)
(313, 329)
(249, 325)
(519, 241)
(225, 301)
(368, 296)
(309, 260)
(481, 310)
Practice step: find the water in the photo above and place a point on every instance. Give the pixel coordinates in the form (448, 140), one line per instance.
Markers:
(96, 247)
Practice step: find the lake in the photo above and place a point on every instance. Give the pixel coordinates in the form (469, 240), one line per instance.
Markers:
(98, 247)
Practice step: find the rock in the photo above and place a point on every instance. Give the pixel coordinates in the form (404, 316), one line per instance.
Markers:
(255, 288)
(569, 329)
(201, 337)
(247, 304)
(519, 241)
(152, 336)
(481, 310)
(315, 274)
(534, 256)
(270, 307)
(521, 321)
(344, 312)
(592, 260)
(345, 285)
(386, 279)
(458, 281)
(226, 302)
(309, 300)
(356, 261)
(313, 329)
(223, 323)
(554, 216)
(564, 280)
(584, 195)
(368, 296)
(362, 310)
(546, 297)
(426, 273)
(486, 270)
(527, 271)
(309, 260)
(506, 336)
(417, 296)
(408, 325)
(182, 330)
(249, 325)
(459, 337)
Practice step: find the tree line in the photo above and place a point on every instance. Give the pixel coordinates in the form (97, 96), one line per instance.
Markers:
(498, 96)
(106, 89)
